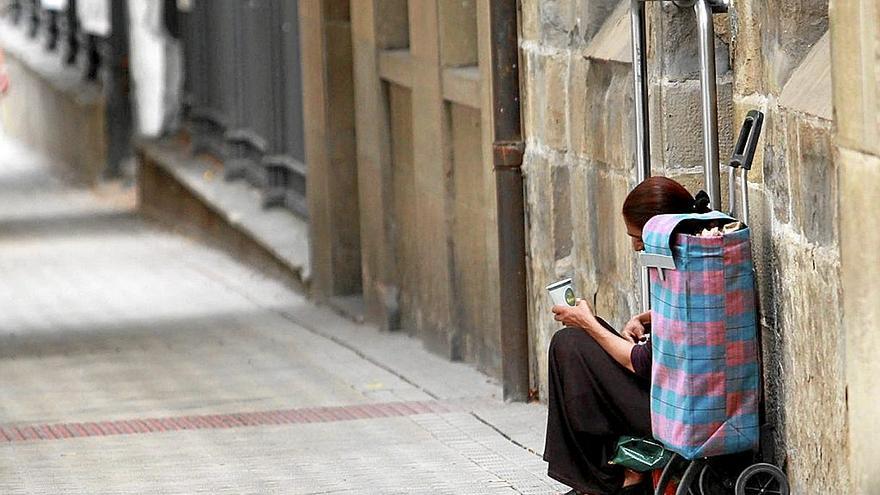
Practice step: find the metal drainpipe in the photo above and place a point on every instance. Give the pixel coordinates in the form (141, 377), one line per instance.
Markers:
(507, 147)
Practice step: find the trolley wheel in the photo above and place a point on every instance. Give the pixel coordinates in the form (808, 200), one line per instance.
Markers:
(712, 482)
(668, 472)
(689, 484)
(762, 479)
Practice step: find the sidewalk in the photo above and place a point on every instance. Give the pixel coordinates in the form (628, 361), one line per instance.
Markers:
(137, 361)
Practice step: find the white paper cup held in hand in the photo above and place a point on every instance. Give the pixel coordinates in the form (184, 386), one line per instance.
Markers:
(562, 293)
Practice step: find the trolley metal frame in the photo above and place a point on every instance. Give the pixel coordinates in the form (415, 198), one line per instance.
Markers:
(700, 476)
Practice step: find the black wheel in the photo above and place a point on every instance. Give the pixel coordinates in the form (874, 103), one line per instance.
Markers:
(668, 471)
(689, 480)
(762, 479)
(713, 482)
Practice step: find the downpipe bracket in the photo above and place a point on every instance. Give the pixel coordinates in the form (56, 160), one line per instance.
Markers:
(507, 154)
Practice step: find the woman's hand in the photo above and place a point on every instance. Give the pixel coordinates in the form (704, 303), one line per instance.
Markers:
(578, 316)
(634, 330)
(581, 316)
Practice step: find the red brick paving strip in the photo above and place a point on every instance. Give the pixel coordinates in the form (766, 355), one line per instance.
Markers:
(60, 431)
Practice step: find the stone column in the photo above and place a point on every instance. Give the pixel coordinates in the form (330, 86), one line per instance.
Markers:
(855, 31)
(376, 26)
(328, 107)
(431, 162)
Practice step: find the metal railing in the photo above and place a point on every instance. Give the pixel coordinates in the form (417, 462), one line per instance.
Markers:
(91, 37)
(242, 89)
(243, 92)
(56, 24)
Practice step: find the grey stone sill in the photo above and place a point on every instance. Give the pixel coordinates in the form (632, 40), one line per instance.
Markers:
(48, 65)
(277, 230)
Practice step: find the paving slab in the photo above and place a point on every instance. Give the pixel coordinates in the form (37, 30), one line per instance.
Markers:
(139, 361)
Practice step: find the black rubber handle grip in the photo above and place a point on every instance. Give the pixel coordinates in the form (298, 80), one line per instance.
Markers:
(747, 144)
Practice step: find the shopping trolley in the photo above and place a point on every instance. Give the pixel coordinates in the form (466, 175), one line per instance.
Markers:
(733, 467)
(726, 458)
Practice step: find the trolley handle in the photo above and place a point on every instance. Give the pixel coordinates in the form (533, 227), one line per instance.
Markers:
(747, 144)
(743, 155)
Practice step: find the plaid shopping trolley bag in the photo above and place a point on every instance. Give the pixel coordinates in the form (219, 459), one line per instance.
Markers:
(705, 382)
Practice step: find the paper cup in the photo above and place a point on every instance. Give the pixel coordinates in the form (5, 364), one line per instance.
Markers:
(562, 293)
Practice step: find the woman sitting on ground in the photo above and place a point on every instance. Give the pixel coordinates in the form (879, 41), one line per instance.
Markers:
(599, 384)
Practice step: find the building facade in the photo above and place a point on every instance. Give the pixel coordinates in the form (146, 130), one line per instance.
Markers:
(398, 119)
(372, 120)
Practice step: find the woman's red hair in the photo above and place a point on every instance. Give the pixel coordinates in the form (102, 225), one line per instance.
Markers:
(659, 196)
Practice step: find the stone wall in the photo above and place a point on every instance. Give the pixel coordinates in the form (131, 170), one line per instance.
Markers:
(771, 56)
(577, 122)
(854, 41)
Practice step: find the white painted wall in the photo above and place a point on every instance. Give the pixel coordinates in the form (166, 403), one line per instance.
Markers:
(94, 16)
(54, 4)
(155, 69)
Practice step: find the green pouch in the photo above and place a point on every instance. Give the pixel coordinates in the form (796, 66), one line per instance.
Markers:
(640, 454)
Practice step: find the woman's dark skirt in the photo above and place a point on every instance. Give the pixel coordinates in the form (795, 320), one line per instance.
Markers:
(593, 400)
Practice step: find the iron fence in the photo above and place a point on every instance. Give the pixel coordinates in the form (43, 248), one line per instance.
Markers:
(89, 36)
(56, 24)
(243, 92)
(242, 79)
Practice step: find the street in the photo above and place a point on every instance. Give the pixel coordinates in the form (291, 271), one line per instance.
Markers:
(137, 361)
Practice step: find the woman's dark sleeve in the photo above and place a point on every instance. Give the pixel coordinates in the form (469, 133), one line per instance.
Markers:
(641, 360)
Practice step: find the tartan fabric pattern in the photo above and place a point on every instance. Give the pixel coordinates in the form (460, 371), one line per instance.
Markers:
(705, 383)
